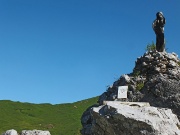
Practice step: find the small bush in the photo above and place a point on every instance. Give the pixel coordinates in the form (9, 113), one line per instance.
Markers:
(139, 86)
(178, 63)
(151, 47)
(136, 73)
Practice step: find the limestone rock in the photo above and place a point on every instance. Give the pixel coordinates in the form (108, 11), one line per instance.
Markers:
(10, 132)
(35, 132)
(122, 119)
(154, 79)
(162, 92)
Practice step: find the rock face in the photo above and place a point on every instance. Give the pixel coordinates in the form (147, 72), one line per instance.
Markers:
(27, 132)
(154, 79)
(115, 118)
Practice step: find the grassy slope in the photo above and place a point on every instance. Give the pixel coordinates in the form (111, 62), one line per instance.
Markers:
(62, 119)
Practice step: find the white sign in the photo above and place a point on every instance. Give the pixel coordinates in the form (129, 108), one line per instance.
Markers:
(122, 91)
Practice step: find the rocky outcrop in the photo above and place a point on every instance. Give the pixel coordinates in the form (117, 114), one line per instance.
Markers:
(115, 118)
(154, 79)
(162, 92)
(27, 132)
(157, 62)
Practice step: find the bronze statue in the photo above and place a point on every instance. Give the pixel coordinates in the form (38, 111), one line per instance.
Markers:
(158, 27)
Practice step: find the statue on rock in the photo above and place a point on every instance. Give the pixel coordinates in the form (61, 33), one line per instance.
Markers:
(158, 27)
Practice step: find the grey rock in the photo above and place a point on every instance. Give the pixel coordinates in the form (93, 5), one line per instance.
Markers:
(144, 64)
(124, 79)
(157, 69)
(123, 119)
(35, 132)
(158, 83)
(172, 64)
(159, 55)
(147, 58)
(10, 132)
(172, 57)
(173, 53)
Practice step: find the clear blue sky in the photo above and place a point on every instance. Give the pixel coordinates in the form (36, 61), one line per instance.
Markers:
(62, 51)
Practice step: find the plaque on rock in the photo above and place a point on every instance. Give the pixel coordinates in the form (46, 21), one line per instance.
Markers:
(122, 91)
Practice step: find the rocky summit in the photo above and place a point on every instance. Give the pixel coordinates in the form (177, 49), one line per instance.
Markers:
(155, 79)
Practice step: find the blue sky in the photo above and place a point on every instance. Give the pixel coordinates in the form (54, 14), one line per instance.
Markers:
(62, 51)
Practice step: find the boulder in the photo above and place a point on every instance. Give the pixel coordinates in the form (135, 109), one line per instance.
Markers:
(160, 91)
(116, 118)
(35, 132)
(10, 132)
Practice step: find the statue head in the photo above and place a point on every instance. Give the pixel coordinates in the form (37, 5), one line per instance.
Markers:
(159, 15)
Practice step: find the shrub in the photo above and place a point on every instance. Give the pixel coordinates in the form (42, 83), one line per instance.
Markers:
(151, 47)
(139, 86)
(136, 73)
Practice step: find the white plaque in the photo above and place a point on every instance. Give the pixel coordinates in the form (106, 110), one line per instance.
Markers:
(122, 91)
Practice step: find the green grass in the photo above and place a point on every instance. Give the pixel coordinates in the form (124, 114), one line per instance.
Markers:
(60, 119)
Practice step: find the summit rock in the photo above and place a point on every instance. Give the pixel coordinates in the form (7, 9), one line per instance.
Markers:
(155, 79)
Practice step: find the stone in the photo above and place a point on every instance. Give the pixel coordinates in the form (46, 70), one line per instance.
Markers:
(157, 83)
(148, 58)
(35, 132)
(144, 64)
(102, 98)
(163, 92)
(124, 79)
(10, 132)
(173, 53)
(157, 69)
(123, 119)
(172, 64)
(172, 57)
(159, 55)
(140, 104)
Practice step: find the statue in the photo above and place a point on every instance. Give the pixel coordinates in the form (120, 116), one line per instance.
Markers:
(158, 27)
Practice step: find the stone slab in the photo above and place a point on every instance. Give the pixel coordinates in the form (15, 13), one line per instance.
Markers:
(139, 104)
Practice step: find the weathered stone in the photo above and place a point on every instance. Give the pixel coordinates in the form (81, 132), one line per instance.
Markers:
(140, 104)
(155, 79)
(163, 92)
(157, 69)
(144, 64)
(35, 132)
(172, 64)
(148, 58)
(172, 71)
(163, 66)
(120, 119)
(124, 79)
(173, 53)
(159, 55)
(172, 57)
(10, 132)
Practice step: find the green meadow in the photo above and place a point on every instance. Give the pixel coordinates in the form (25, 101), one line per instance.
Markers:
(60, 119)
